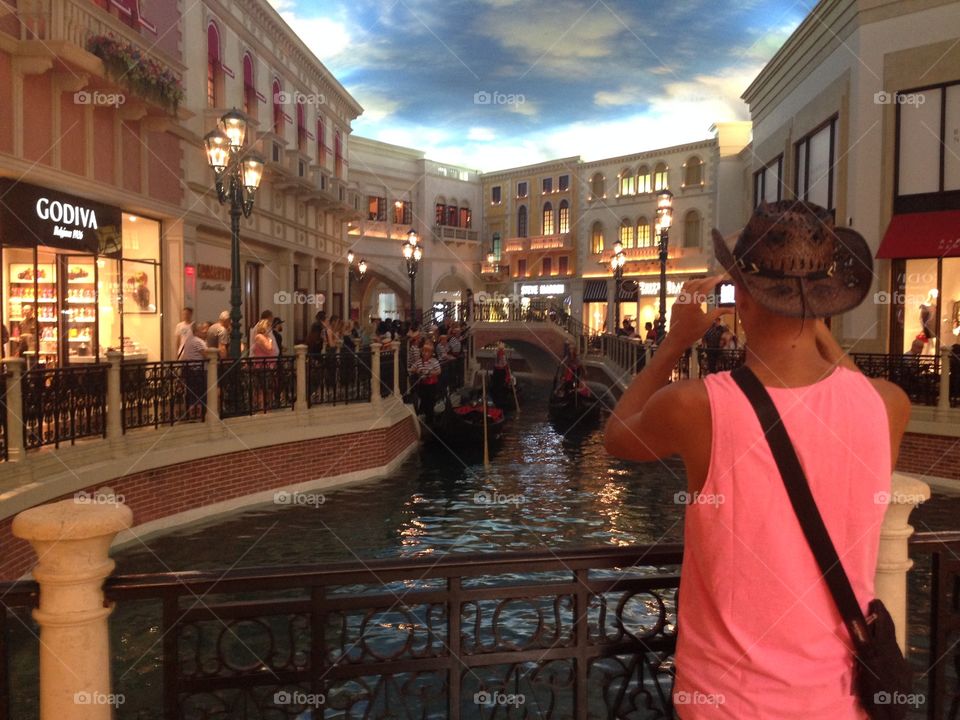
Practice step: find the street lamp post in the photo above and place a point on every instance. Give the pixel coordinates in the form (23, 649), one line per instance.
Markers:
(413, 253)
(356, 272)
(617, 262)
(664, 220)
(237, 172)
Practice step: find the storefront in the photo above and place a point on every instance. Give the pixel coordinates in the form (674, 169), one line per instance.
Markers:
(544, 296)
(640, 300)
(925, 281)
(595, 306)
(79, 278)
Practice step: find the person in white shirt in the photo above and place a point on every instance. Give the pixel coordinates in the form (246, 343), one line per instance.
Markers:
(426, 371)
(195, 376)
(184, 328)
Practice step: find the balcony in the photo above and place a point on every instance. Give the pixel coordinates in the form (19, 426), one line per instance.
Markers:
(60, 31)
(449, 234)
(331, 193)
(494, 272)
(559, 241)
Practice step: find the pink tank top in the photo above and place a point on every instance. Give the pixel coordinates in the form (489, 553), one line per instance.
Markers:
(758, 634)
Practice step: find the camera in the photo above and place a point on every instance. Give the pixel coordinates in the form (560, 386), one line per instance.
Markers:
(724, 294)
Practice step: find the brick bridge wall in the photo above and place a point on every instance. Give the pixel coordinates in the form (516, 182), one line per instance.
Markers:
(160, 492)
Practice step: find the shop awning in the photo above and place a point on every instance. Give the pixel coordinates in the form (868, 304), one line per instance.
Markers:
(629, 291)
(922, 235)
(595, 291)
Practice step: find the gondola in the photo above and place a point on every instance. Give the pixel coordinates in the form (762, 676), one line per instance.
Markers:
(504, 390)
(461, 425)
(569, 406)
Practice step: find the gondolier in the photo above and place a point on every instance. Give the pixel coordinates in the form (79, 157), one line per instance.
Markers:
(426, 371)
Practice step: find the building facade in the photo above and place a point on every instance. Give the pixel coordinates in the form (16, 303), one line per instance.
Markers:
(531, 226)
(242, 55)
(865, 120)
(402, 190)
(90, 163)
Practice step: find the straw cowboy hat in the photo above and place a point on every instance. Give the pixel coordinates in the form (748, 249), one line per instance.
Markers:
(793, 261)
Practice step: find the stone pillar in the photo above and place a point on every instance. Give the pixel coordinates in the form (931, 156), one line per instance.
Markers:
(114, 397)
(893, 560)
(647, 353)
(375, 398)
(694, 363)
(300, 362)
(15, 369)
(396, 368)
(72, 541)
(213, 391)
(943, 402)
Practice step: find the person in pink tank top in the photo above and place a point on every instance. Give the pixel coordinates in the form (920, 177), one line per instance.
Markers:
(758, 634)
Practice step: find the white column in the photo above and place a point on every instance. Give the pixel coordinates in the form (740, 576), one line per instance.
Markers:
(114, 398)
(375, 398)
(15, 369)
(893, 559)
(300, 362)
(213, 390)
(72, 541)
(943, 402)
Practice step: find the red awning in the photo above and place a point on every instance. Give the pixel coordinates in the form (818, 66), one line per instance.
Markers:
(922, 235)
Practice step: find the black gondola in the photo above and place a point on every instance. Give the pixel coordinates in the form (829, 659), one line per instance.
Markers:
(571, 401)
(504, 390)
(462, 425)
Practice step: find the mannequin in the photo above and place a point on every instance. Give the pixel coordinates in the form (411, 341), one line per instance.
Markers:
(927, 312)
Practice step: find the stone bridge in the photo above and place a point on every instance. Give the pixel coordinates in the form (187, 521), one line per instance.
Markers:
(545, 338)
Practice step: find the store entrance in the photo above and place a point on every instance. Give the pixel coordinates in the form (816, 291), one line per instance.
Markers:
(51, 307)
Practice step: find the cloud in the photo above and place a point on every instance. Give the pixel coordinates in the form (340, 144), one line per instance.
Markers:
(326, 36)
(480, 134)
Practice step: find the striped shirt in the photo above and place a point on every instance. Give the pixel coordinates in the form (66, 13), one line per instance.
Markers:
(427, 370)
(413, 356)
(453, 346)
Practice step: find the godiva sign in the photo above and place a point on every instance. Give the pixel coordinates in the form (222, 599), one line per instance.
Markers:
(33, 216)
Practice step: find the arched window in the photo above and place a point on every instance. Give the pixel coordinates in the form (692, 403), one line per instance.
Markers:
(301, 127)
(693, 172)
(626, 233)
(250, 99)
(643, 233)
(548, 226)
(596, 238)
(214, 65)
(277, 107)
(660, 177)
(628, 184)
(440, 212)
(338, 154)
(321, 141)
(643, 179)
(563, 217)
(522, 221)
(466, 217)
(598, 187)
(691, 229)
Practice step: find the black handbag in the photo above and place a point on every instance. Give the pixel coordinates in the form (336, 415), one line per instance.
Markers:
(882, 677)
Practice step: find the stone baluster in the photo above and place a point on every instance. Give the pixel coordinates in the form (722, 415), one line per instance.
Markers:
(72, 541)
(14, 400)
(213, 390)
(893, 559)
(114, 397)
(300, 366)
(375, 398)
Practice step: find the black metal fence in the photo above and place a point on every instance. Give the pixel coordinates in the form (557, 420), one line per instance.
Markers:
(162, 393)
(3, 414)
(547, 634)
(63, 405)
(336, 377)
(917, 375)
(387, 360)
(256, 385)
(713, 360)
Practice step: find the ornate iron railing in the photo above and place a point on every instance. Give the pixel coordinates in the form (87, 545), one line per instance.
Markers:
(387, 360)
(941, 666)
(162, 393)
(917, 375)
(551, 634)
(256, 385)
(63, 404)
(713, 360)
(339, 376)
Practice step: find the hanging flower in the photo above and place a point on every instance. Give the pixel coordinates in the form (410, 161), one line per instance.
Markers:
(143, 75)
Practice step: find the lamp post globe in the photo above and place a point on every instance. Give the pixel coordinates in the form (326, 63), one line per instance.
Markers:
(412, 253)
(664, 221)
(237, 174)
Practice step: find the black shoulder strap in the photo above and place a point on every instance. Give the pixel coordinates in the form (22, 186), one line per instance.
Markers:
(803, 503)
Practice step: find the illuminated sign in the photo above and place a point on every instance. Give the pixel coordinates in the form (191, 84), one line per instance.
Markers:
(653, 288)
(551, 289)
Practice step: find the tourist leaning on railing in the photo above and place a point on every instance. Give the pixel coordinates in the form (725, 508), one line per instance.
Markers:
(759, 634)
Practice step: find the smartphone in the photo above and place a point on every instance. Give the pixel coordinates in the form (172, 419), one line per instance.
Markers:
(725, 294)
